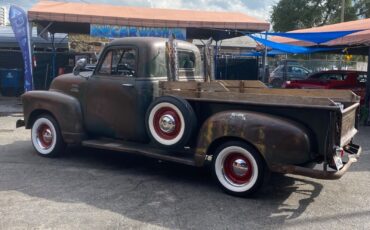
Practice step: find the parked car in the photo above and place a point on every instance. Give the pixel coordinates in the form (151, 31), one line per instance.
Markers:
(292, 72)
(133, 103)
(333, 79)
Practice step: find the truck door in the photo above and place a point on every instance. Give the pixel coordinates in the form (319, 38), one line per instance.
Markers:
(112, 99)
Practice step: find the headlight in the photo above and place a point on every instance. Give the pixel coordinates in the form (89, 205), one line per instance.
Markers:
(287, 82)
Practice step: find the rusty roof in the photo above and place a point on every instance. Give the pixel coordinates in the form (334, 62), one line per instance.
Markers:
(140, 16)
(359, 38)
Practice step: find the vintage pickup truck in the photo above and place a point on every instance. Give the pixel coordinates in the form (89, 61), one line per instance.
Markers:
(130, 103)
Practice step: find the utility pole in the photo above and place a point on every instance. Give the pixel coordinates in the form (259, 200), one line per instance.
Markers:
(342, 13)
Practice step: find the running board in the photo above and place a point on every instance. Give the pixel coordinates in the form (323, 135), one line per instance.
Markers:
(108, 144)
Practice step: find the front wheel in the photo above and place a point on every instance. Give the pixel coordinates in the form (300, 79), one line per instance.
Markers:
(46, 136)
(238, 168)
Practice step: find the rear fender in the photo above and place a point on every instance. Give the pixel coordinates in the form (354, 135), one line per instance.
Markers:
(64, 108)
(278, 140)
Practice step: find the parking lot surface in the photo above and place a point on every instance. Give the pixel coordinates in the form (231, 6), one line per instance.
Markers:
(90, 189)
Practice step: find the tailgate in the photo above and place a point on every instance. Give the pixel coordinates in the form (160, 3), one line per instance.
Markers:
(348, 124)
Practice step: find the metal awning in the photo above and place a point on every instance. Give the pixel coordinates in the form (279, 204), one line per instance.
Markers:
(68, 17)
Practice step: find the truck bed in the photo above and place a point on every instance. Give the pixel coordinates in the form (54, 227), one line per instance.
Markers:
(319, 110)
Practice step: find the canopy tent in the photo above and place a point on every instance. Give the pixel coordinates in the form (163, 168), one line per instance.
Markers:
(68, 17)
(315, 37)
(357, 39)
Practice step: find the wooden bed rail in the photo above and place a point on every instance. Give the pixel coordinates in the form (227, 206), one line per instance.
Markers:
(254, 88)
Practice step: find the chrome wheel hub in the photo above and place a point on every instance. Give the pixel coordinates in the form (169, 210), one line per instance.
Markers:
(167, 123)
(47, 136)
(44, 136)
(240, 167)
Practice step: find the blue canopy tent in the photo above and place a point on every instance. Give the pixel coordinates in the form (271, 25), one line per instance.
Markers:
(315, 37)
(286, 48)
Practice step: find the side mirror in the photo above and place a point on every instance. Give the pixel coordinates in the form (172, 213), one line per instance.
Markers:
(80, 65)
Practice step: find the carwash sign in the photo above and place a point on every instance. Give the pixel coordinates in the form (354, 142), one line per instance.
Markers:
(110, 31)
(19, 21)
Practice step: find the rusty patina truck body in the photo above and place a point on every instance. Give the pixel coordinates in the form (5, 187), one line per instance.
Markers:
(242, 128)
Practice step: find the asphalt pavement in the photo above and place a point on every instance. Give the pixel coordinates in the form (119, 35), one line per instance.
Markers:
(91, 189)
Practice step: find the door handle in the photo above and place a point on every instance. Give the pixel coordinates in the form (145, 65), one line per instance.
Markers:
(127, 85)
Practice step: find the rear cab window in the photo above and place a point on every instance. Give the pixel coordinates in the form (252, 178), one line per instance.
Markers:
(186, 59)
(186, 64)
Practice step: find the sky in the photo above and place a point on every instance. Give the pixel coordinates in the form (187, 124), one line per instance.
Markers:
(256, 8)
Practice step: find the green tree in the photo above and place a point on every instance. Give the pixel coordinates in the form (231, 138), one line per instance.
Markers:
(298, 14)
(362, 8)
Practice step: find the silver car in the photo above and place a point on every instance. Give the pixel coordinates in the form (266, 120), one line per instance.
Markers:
(292, 72)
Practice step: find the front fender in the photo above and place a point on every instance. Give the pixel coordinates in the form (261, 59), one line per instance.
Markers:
(279, 140)
(65, 109)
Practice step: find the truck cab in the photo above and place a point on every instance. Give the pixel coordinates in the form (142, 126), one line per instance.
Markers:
(117, 93)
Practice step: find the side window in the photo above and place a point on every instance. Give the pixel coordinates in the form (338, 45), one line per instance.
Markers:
(298, 71)
(324, 77)
(333, 76)
(186, 59)
(106, 67)
(127, 63)
(120, 62)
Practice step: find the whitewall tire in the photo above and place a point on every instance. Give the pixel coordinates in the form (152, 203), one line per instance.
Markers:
(238, 168)
(46, 136)
(170, 121)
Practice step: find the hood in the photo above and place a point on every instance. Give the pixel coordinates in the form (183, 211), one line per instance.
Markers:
(69, 83)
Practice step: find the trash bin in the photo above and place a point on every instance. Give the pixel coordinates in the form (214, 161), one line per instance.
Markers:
(10, 82)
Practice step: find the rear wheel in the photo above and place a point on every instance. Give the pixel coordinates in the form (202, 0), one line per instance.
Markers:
(238, 168)
(46, 136)
(170, 121)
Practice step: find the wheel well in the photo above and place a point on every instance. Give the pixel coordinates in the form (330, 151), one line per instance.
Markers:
(35, 114)
(219, 141)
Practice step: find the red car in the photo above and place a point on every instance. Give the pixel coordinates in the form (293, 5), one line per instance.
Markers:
(333, 79)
